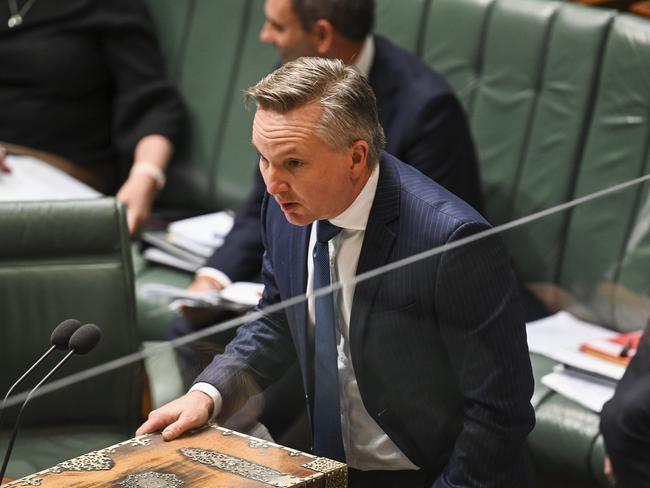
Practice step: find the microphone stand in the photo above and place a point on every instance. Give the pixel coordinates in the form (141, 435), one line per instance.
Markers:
(4, 401)
(17, 425)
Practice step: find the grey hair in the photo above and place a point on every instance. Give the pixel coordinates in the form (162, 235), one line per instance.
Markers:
(348, 105)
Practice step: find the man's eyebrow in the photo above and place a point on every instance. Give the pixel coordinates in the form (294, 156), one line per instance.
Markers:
(276, 23)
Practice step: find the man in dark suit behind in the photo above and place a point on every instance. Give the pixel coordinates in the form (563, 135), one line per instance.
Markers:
(432, 379)
(424, 123)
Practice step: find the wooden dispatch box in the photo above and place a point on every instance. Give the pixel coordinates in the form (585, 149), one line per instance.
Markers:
(208, 457)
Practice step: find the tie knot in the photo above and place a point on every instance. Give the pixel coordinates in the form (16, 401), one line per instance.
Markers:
(325, 231)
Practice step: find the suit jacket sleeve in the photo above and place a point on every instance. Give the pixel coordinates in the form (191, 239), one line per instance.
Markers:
(145, 101)
(483, 328)
(240, 256)
(261, 351)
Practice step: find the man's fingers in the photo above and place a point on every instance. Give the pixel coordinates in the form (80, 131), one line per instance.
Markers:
(174, 430)
(157, 421)
(187, 412)
(184, 423)
(3, 165)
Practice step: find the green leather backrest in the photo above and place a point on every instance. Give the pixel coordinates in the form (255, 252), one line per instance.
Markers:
(205, 76)
(557, 96)
(62, 260)
(236, 160)
(616, 150)
(547, 170)
(453, 43)
(525, 71)
(401, 21)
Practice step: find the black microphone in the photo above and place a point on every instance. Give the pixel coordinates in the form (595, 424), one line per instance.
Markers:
(59, 339)
(83, 340)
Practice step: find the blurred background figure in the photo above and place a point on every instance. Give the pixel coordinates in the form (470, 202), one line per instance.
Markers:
(84, 79)
(625, 422)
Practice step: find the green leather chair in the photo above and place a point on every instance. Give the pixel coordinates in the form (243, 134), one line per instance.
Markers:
(64, 260)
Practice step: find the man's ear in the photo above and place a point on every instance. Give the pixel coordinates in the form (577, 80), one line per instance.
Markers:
(359, 155)
(324, 35)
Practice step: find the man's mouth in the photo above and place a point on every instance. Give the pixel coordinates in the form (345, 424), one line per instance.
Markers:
(288, 206)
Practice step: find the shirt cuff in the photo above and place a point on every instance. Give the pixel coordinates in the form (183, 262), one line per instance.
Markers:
(213, 393)
(215, 274)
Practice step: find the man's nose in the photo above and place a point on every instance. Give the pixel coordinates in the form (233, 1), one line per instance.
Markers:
(274, 181)
(266, 35)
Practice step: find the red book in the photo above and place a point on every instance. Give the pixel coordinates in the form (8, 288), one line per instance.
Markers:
(619, 349)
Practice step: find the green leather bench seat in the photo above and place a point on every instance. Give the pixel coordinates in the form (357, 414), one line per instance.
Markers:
(558, 101)
(62, 260)
(620, 115)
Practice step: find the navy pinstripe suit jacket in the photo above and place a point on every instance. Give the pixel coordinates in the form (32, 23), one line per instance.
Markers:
(438, 347)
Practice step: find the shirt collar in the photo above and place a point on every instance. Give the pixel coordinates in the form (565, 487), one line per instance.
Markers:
(355, 217)
(366, 55)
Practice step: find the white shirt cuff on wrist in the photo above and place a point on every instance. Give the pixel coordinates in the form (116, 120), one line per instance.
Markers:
(215, 274)
(213, 393)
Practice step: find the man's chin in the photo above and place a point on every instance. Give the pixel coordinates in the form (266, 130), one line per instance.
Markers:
(297, 219)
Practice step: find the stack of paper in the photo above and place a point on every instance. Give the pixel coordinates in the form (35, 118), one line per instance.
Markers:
(187, 243)
(584, 378)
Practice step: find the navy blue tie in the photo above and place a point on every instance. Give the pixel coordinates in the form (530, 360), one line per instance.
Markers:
(328, 441)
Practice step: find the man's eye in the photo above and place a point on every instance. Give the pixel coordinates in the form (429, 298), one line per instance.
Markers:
(295, 163)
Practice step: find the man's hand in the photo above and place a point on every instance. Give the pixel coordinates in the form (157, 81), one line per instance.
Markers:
(205, 283)
(197, 315)
(609, 471)
(3, 165)
(137, 193)
(190, 411)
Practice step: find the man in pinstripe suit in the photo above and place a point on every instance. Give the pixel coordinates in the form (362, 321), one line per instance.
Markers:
(434, 379)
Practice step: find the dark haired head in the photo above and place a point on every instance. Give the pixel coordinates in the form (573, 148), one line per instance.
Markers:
(354, 19)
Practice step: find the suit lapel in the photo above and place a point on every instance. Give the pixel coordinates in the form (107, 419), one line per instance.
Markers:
(378, 242)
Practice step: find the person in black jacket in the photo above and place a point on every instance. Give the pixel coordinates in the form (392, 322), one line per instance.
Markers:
(84, 79)
(625, 422)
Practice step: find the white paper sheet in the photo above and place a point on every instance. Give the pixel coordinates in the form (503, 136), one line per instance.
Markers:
(208, 230)
(583, 389)
(559, 337)
(32, 179)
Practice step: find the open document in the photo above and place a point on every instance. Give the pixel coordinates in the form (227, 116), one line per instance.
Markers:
(560, 336)
(32, 179)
